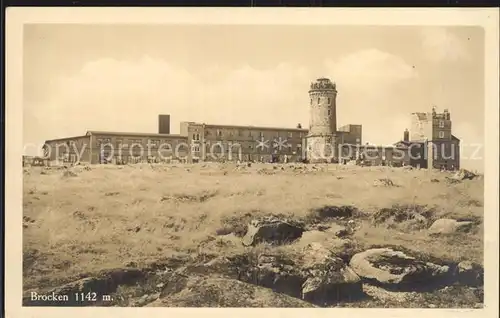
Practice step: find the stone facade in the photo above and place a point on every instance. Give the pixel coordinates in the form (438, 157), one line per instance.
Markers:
(435, 131)
(243, 143)
(321, 139)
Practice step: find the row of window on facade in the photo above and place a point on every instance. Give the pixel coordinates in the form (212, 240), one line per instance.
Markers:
(260, 134)
(319, 100)
(288, 147)
(120, 142)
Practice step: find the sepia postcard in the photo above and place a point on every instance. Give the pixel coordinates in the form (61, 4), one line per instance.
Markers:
(177, 159)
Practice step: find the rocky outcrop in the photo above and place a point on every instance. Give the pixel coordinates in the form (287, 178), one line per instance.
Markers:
(222, 292)
(273, 231)
(395, 269)
(449, 226)
(470, 274)
(314, 274)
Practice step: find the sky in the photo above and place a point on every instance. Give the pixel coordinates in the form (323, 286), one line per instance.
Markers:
(83, 77)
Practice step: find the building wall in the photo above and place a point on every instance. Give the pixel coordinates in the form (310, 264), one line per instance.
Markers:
(321, 149)
(68, 150)
(247, 143)
(138, 148)
(350, 134)
(445, 154)
(442, 149)
(376, 155)
(441, 127)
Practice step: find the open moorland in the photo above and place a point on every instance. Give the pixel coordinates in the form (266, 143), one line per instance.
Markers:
(260, 235)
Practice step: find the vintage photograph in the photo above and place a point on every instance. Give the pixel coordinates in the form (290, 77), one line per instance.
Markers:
(204, 165)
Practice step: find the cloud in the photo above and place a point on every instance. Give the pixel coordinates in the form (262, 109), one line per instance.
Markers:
(127, 95)
(373, 67)
(441, 45)
(373, 91)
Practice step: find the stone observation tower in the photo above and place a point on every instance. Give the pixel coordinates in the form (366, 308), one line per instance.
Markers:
(321, 141)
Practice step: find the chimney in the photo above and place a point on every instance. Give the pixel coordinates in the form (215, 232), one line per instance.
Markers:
(164, 124)
(406, 135)
(446, 114)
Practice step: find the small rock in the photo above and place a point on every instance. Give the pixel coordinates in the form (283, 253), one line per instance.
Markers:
(134, 229)
(69, 173)
(322, 227)
(342, 233)
(449, 226)
(385, 182)
(463, 174)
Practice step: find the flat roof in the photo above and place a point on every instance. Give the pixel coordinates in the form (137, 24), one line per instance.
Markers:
(133, 134)
(255, 127)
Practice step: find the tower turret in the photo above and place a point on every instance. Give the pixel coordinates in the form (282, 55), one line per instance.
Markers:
(321, 141)
(323, 107)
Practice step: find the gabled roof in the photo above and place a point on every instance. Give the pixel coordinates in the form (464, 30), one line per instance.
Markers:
(453, 137)
(65, 138)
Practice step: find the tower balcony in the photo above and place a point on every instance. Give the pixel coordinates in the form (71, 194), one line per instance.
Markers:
(322, 84)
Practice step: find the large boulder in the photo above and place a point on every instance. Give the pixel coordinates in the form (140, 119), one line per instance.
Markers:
(395, 269)
(221, 292)
(328, 278)
(272, 230)
(449, 226)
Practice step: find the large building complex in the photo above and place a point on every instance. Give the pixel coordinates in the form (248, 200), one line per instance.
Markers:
(322, 141)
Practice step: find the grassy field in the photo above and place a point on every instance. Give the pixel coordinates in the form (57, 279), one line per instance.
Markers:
(108, 216)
